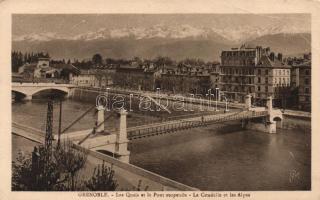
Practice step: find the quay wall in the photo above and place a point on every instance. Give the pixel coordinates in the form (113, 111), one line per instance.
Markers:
(297, 122)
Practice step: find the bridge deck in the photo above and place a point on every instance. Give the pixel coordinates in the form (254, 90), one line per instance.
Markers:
(148, 129)
(180, 124)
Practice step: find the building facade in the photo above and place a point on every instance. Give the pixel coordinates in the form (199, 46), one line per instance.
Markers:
(252, 70)
(136, 77)
(301, 80)
(94, 78)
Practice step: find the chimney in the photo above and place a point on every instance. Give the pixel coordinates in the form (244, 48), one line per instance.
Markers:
(272, 56)
(258, 50)
(280, 57)
(267, 50)
(307, 56)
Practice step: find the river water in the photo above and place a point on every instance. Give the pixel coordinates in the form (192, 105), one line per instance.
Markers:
(216, 157)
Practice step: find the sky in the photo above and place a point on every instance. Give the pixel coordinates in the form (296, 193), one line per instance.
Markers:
(74, 24)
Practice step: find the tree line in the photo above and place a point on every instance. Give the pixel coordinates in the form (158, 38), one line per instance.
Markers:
(18, 58)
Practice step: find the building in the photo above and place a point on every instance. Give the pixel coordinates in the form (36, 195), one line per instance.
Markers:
(185, 79)
(237, 72)
(214, 72)
(272, 78)
(94, 78)
(43, 69)
(184, 83)
(86, 78)
(252, 70)
(136, 77)
(301, 80)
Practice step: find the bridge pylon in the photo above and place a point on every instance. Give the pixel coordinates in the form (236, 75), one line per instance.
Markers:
(268, 124)
(248, 101)
(122, 138)
(100, 119)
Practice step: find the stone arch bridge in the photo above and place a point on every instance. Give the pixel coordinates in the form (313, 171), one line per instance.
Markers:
(29, 89)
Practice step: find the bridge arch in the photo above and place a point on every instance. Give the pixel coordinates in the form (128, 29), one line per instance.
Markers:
(277, 118)
(16, 94)
(62, 89)
(28, 92)
(50, 92)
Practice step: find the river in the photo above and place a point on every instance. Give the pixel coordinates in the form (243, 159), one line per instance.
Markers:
(216, 157)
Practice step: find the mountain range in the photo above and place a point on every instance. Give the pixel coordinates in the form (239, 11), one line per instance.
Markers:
(177, 42)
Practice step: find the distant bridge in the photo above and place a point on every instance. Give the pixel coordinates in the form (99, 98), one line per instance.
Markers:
(29, 89)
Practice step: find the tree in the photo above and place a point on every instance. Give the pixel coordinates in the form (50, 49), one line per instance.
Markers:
(97, 59)
(70, 161)
(161, 61)
(102, 179)
(44, 172)
(36, 173)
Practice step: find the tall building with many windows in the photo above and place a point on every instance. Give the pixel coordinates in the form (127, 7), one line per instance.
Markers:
(301, 80)
(272, 77)
(252, 70)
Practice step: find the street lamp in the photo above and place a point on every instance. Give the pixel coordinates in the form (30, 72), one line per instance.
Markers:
(209, 93)
(217, 98)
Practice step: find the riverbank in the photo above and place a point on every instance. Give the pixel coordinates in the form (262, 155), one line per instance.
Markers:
(297, 120)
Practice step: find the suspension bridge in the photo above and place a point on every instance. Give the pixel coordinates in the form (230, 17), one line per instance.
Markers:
(116, 141)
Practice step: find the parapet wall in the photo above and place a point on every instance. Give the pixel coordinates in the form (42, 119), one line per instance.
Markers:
(130, 175)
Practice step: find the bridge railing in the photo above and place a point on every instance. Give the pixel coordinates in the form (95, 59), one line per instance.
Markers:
(40, 80)
(175, 125)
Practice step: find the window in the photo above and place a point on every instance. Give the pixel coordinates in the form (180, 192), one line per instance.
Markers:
(306, 90)
(259, 80)
(266, 80)
(306, 81)
(307, 72)
(259, 71)
(267, 72)
(266, 88)
(307, 99)
(258, 88)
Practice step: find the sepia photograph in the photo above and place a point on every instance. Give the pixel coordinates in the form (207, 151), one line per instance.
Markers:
(161, 102)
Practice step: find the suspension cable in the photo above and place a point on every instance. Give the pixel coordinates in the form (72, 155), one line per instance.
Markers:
(76, 120)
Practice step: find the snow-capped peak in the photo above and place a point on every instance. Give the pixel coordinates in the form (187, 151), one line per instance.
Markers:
(37, 37)
(236, 34)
